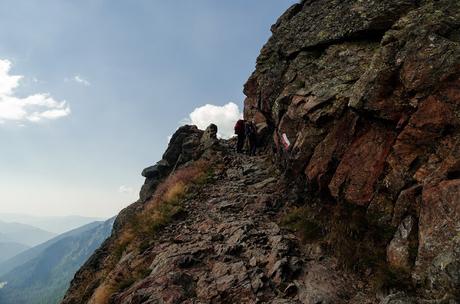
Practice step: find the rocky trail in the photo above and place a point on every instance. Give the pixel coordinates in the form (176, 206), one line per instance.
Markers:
(228, 248)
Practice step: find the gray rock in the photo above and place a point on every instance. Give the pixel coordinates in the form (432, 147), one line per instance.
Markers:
(265, 183)
(209, 138)
(398, 298)
(398, 250)
(156, 171)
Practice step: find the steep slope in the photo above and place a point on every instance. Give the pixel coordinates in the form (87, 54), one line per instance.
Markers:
(45, 277)
(10, 249)
(24, 234)
(34, 252)
(356, 198)
(212, 248)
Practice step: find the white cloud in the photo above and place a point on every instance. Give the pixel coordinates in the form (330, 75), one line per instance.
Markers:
(126, 189)
(224, 117)
(81, 80)
(33, 108)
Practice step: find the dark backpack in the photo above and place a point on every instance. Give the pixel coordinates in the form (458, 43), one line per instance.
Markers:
(250, 129)
(239, 127)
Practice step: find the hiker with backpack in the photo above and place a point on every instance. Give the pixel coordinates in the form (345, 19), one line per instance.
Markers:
(240, 131)
(251, 134)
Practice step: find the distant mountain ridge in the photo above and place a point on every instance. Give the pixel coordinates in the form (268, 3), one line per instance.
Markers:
(24, 234)
(54, 224)
(41, 275)
(10, 249)
(33, 252)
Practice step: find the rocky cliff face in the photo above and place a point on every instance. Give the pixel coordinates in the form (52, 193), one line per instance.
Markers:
(356, 198)
(368, 95)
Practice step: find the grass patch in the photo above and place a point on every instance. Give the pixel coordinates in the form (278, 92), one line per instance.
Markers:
(358, 243)
(167, 200)
(347, 232)
(142, 226)
(387, 278)
(299, 220)
(126, 283)
(140, 273)
(165, 205)
(102, 294)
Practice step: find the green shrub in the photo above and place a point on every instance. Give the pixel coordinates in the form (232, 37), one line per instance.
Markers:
(299, 220)
(386, 278)
(125, 284)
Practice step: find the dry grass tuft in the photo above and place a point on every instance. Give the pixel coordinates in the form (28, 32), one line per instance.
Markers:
(164, 206)
(161, 209)
(102, 295)
(166, 202)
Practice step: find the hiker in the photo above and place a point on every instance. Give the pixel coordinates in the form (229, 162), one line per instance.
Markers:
(251, 134)
(241, 132)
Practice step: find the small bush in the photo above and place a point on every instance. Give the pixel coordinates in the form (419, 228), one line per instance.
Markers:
(353, 238)
(123, 241)
(102, 294)
(125, 284)
(346, 231)
(299, 220)
(166, 202)
(175, 185)
(386, 278)
(357, 242)
(145, 272)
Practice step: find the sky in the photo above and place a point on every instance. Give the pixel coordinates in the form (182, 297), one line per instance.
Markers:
(90, 91)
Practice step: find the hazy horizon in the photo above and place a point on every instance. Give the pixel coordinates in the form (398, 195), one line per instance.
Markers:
(86, 105)
(54, 224)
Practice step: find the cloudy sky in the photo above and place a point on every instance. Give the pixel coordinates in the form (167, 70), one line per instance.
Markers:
(90, 90)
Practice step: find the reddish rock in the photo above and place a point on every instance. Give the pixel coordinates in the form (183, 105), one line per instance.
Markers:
(380, 209)
(398, 254)
(438, 223)
(302, 149)
(413, 144)
(408, 202)
(362, 165)
(433, 115)
(443, 164)
(331, 148)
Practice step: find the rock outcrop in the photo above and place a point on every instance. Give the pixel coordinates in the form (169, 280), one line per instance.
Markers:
(368, 95)
(356, 198)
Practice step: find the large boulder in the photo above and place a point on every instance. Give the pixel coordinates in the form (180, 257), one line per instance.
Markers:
(187, 143)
